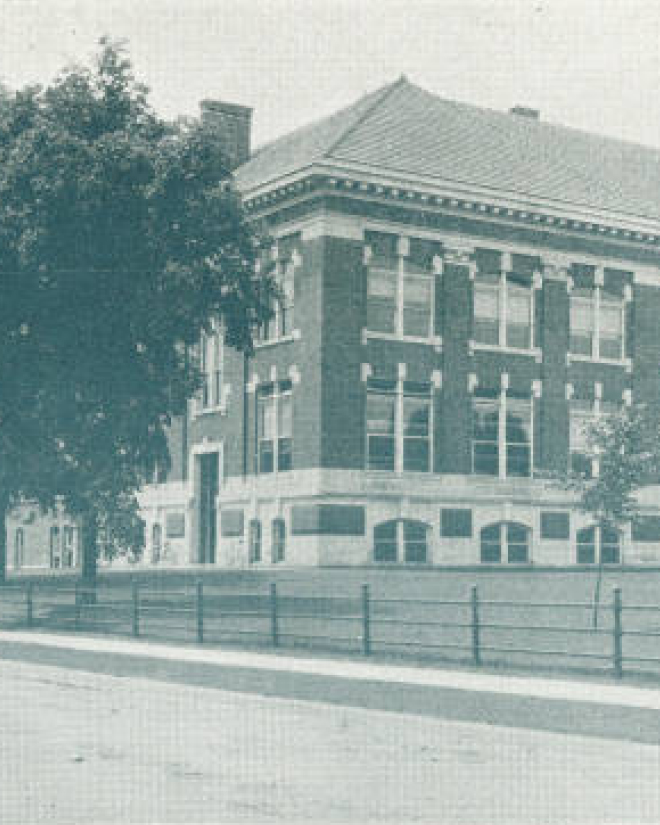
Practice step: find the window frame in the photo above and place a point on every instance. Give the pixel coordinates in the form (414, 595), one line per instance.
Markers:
(276, 394)
(503, 286)
(403, 272)
(281, 327)
(597, 542)
(212, 394)
(278, 540)
(398, 391)
(255, 541)
(502, 540)
(401, 544)
(588, 417)
(19, 548)
(503, 403)
(598, 300)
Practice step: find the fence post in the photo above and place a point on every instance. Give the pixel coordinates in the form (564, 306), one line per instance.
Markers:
(366, 621)
(618, 634)
(136, 607)
(29, 608)
(78, 606)
(274, 631)
(476, 641)
(199, 604)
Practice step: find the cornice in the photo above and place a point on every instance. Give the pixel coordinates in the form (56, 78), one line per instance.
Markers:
(312, 182)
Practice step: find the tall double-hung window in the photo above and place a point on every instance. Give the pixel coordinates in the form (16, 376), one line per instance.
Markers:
(211, 349)
(398, 426)
(274, 427)
(401, 276)
(597, 318)
(584, 414)
(503, 304)
(281, 323)
(502, 435)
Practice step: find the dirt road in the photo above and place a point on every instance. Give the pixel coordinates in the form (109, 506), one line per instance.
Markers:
(82, 747)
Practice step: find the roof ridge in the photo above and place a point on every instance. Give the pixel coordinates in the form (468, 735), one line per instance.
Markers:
(385, 92)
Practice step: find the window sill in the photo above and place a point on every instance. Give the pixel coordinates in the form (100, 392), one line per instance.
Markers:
(373, 473)
(610, 362)
(200, 412)
(534, 352)
(284, 339)
(432, 341)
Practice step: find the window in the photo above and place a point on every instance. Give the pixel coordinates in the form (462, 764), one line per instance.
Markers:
(381, 425)
(156, 543)
(584, 414)
(518, 437)
(400, 292)
(68, 545)
(281, 324)
(485, 436)
(398, 426)
(211, 353)
(416, 428)
(503, 310)
(456, 523)
(55, 551)
(382, 300)
(385, 542)
(255, 541)
(401, 540)
(501, 435)
(599, 542)
(582, 417)
(597, 324)
(18, 548)
(506, 540)
(278, 540)
(274, 428)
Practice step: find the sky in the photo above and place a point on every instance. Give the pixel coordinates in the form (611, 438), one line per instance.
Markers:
(589, 64)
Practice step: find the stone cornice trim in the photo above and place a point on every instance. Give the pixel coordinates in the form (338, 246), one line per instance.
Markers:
(513, 210)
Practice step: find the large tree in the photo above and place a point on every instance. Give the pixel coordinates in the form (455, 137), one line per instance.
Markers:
(121, 236)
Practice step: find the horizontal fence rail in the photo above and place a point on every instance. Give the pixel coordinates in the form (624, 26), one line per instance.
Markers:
(611, 637)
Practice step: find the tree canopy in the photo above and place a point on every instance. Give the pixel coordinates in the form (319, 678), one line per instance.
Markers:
(626, 449)
(121, 236)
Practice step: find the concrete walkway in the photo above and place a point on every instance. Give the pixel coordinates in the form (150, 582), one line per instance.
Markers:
(531, 686)
(589, 708)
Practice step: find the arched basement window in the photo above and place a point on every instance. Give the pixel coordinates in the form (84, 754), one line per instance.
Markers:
(598, 543)
(505, 541)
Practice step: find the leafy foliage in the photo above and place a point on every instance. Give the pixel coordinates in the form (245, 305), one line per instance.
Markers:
(121, 236)
(626, 447)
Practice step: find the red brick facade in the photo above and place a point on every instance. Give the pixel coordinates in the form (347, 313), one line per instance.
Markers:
(382, 446)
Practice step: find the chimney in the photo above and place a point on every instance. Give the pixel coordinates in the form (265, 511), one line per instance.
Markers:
(525, 111)
(232, 124)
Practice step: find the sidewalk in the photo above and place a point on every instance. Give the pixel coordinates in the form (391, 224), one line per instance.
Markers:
(589, 708)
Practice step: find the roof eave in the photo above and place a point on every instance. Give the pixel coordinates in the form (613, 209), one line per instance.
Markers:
(437, 187)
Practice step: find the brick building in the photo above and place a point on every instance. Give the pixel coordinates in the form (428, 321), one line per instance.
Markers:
(464, 290)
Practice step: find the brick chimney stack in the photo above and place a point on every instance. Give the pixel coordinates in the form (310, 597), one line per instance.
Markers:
(233, 125)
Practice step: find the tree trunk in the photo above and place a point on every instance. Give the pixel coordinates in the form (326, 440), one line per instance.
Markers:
(596, 600)
(3, 540)
(89, 549)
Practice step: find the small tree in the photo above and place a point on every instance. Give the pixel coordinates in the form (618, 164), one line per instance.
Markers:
(626, 450)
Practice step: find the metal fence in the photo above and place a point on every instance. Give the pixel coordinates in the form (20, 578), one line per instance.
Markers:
(473, 630)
